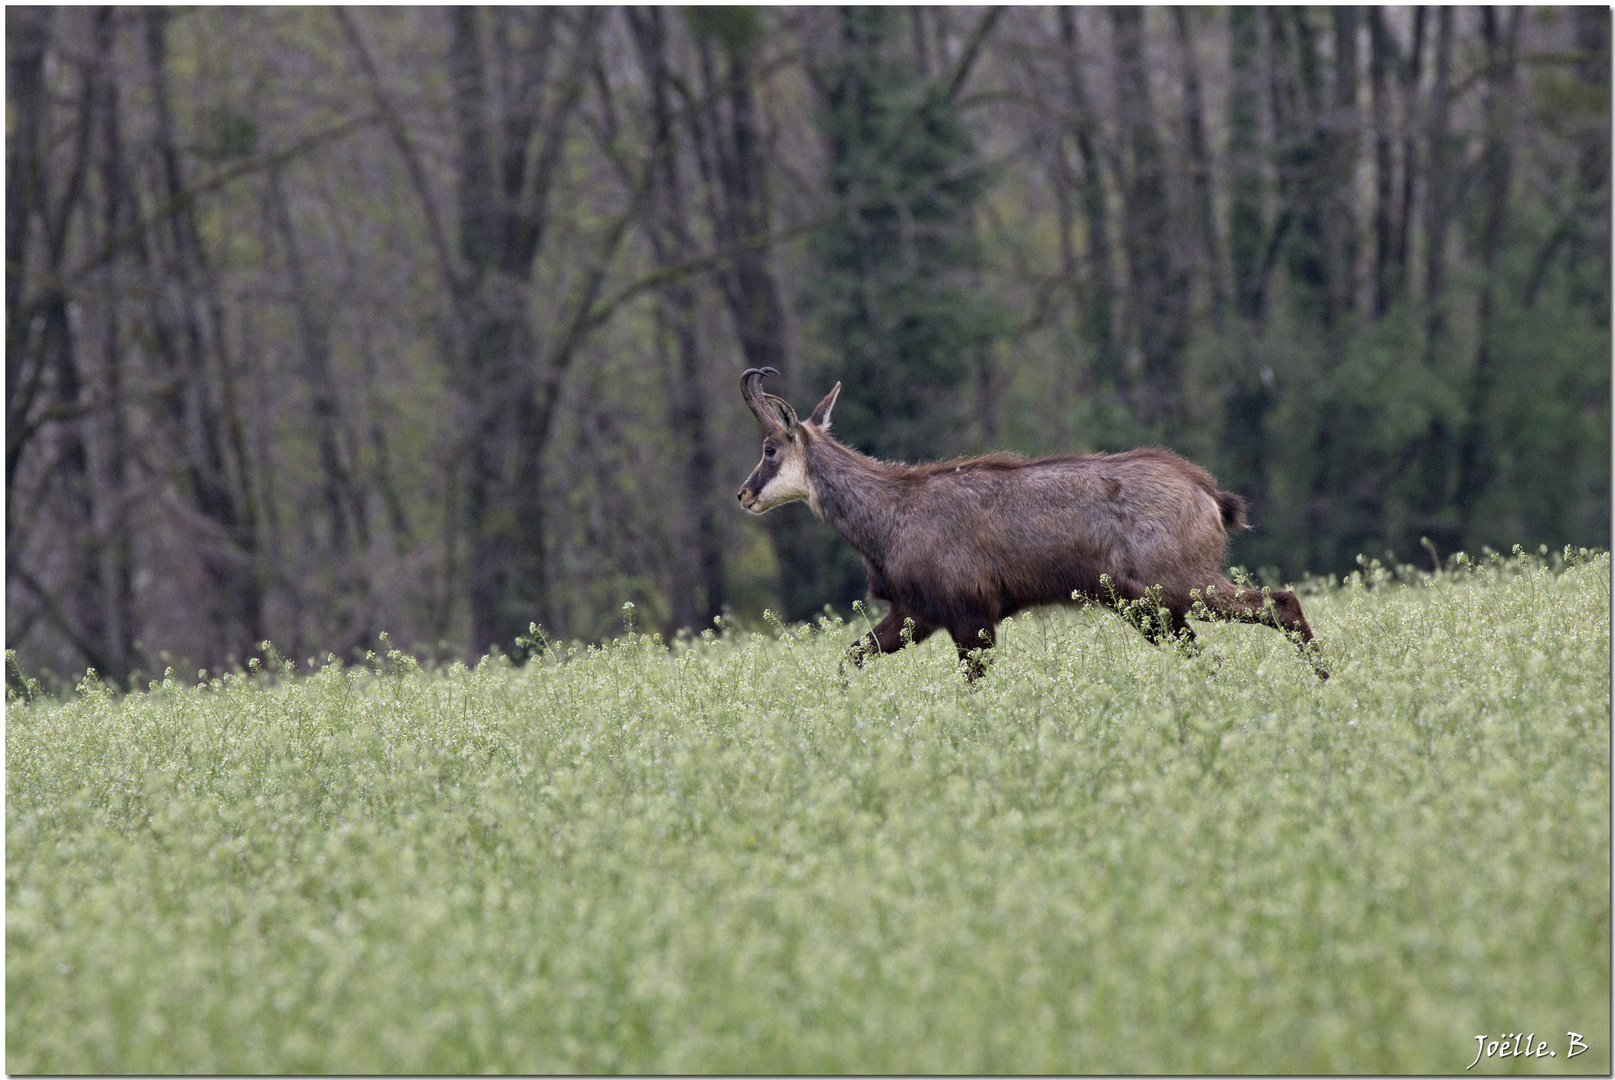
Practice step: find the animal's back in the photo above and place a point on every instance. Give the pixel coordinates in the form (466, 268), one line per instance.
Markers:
(1148, 514)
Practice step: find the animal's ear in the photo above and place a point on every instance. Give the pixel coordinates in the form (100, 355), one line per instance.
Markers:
(782, 408)
(821, 415)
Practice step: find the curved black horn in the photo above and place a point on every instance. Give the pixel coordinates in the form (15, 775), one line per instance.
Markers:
(772, 412)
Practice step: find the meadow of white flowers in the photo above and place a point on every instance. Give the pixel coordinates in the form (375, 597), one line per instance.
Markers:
(740, 855)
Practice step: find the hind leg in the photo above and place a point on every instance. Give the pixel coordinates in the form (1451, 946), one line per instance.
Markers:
(973, 637)
(1251, 606)
(1166, 625)
(1278, 608)
(1158, 619)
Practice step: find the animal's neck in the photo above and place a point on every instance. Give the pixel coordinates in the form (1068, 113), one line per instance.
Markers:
(855, 494)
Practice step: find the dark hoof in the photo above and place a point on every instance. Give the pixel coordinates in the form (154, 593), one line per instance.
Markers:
(975, 667)
(1314, 656)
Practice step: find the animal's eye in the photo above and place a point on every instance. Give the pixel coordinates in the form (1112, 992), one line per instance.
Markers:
(768, 451)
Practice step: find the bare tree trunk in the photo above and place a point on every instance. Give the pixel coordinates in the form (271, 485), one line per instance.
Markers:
(1410, 73)
(513, 119)
(1435, 463)
(348, 537)
(1438, 204)
(1250, 398)
(1247, 231)
(1295, 100)
(1336, 131)
(1593, 160)
(1340, 154)
(27, 34)
(50, 390)
(735, 177)
(188, 325)
(1383, 59)
(922, 49)
(487, 389)
(382, 476)
(1200, 161)
(697, 593)
(1063, 180)
(727, 129)
(117, 524)
(1475, 454)
(1099, 294)
(1157, 286)
(509, 391)
(73, 503)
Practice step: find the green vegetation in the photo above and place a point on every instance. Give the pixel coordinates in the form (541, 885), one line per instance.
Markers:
(735, 856)
(328, 320)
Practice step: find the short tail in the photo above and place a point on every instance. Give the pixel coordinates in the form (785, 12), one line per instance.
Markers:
(1233, 510)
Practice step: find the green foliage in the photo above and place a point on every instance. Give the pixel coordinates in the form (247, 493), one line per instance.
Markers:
(736, 856)
(737, 27)
(227, 134)
(899, 326)
(256, 267)
(896, 320)
(1245, 228)
(1334, 445)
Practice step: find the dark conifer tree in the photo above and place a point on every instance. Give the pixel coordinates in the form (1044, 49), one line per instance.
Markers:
(895, 320)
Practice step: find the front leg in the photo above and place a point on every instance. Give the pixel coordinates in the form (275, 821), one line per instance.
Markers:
(887, 637)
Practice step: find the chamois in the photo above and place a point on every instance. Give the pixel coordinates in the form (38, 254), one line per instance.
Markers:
(959, 545)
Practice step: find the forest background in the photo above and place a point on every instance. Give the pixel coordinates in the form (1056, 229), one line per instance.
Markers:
(323, 323)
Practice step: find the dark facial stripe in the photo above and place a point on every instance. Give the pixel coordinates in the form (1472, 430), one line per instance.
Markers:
(761, 475)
